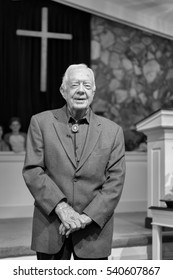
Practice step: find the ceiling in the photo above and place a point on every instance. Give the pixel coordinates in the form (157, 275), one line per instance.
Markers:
(155, 16)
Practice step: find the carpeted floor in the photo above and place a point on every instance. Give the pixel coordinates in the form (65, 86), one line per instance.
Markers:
(15, 237)
(129, 230)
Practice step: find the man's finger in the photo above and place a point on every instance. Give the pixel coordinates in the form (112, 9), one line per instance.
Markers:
(62, 229)
(66, 225)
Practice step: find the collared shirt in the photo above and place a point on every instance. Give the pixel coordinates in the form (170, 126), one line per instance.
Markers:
(79, 137)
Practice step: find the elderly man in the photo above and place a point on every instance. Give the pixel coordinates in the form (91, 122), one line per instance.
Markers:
(75, 169)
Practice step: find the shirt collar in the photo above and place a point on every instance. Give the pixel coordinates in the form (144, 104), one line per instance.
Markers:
(85, 119)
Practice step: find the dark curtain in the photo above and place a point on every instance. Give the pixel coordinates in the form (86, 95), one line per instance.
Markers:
(20, 93)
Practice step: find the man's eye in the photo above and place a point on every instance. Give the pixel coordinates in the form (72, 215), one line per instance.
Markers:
(74, 85)
(88, 86)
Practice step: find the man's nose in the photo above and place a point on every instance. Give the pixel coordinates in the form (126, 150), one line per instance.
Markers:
(81, 88)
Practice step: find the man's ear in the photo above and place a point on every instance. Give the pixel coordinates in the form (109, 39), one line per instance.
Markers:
(62, 92)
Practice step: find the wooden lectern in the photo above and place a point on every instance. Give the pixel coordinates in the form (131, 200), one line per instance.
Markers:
(159, 130)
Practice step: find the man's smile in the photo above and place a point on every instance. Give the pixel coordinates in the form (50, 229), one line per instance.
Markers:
(79, 99)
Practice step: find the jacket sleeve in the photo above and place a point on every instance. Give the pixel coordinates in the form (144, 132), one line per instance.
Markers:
(102, 207)
(45, 192)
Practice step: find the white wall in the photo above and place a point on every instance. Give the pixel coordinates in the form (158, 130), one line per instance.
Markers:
(16, 200)
(134, 196)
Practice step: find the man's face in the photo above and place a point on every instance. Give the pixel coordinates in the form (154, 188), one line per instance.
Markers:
(79, 90)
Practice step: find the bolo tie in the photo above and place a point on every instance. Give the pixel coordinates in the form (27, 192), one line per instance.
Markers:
(75, 127)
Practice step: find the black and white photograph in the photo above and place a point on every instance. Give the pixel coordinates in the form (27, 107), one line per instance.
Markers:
(86, 137)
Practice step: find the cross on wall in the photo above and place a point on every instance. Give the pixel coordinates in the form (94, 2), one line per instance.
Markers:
(44, 35)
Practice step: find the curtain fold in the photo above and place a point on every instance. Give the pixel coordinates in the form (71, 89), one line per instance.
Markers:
(20, 93)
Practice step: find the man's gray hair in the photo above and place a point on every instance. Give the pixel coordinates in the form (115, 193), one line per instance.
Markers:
(73, 67)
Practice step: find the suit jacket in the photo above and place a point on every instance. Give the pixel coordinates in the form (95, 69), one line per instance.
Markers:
(92, 187)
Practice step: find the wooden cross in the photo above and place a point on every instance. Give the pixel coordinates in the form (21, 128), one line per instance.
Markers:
(44, 35)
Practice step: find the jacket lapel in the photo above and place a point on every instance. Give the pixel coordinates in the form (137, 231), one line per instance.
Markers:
(62, 130)
(92, 138)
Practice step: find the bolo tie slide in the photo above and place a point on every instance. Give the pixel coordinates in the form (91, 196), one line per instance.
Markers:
(75, 128)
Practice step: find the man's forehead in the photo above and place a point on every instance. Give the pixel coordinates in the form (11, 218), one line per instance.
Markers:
(79, 73)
